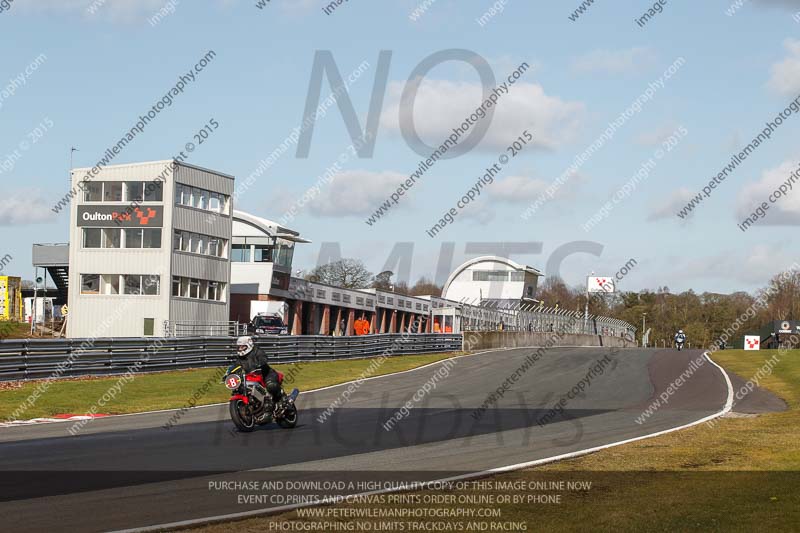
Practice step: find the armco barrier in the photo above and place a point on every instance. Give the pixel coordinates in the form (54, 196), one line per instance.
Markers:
(522, 339)
(36, 359)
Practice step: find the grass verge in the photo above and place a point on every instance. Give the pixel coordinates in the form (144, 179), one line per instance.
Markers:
(168, 390)
(742, 474)
(14, 330)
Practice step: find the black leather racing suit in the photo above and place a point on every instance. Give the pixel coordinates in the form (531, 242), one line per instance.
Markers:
(258, 360)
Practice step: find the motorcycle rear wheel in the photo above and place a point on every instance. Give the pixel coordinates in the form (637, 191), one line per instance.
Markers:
(289, 418)
(241, 415)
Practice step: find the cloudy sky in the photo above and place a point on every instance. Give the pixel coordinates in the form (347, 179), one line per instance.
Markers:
(100, 64)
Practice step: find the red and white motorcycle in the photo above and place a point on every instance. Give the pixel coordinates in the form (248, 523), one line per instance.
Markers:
(251, 405)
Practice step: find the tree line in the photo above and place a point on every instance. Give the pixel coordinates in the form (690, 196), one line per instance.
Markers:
(703, 317)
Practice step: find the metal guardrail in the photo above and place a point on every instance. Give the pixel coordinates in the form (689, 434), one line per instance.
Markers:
(37, 359)
(538, 319)
(186, 328)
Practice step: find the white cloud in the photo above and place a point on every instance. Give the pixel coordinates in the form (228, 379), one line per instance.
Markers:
(478, 212)
(755, 266)
(655, 136)
(357, 193)
(443, 105)
(612, 61)
(517, 189)
(787, 4)
(672, 205)
(785, 78)
(118, 11)
(23, 207)
(114, 10)
(785, 211)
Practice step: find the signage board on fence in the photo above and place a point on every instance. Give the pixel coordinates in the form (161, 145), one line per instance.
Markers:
(752, 342)
(600, 284)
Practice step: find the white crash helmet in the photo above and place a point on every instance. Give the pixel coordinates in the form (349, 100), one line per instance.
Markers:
(244, 345)
(680, 331)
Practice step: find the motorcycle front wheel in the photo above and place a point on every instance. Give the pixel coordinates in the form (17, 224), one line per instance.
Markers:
(289, 418)
(241, 415)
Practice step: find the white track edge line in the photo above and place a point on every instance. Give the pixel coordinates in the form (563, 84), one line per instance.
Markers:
(305, 392)
(508, 468)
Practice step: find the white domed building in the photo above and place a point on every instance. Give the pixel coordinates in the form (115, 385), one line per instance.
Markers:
(492, 278)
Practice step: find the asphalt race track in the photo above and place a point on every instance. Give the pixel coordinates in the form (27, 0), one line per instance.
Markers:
(130, 472)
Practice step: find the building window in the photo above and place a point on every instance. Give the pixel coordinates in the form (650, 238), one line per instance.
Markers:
(263, 253)
(112, 191)
(320, 293)
(336, 297)
(133, 238)
(134, 191)
(240, 253)
(182, 195)
(215, 247)
(283, 253)
(346, 298)
(213, 291)
(517, 276)
(186, 242)
(130, 191)
(112, 237)
(149, 327)
(419, 307)
(133, 284)
(215, 203)
(90, 284)
(199, 244)
(194, 288)
(198, 289)
(359, 301)
(92, 237)
(489, 275)
(151, 285)
(530, 292)
(201, 199)
(93, 191)
(370, 302)
(151, 238)
(197, 200)
(154, 191)
(111, 284)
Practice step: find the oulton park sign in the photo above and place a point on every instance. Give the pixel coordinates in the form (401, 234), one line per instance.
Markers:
(124, 217)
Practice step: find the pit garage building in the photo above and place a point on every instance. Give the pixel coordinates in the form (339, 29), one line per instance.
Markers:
(261, 270)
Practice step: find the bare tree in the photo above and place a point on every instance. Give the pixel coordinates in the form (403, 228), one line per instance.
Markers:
(424, 286)
(383, 280)
(345, 273)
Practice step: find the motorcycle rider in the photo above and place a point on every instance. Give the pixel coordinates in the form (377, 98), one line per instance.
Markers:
(680, 337)
(253, 358)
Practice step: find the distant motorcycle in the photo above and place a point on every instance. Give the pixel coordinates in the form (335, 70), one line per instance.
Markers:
(251, 405)
(679, 345)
